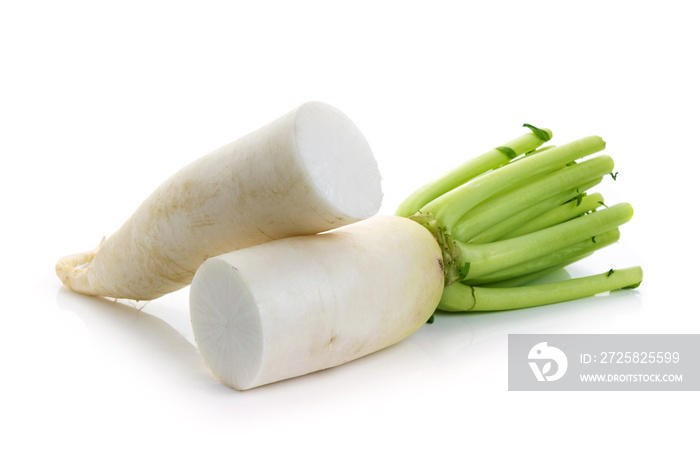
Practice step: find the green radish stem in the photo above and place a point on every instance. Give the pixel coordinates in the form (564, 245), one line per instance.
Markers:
(461, 297)
(485, 258)
(527, 278)
(585, 247)
(451, 206)
(495, 210)
(488, 161)
(509, 227)
(503, 222)
(571, 209)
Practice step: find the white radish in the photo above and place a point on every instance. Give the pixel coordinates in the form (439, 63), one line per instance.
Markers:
(298, 305)
(309, 171)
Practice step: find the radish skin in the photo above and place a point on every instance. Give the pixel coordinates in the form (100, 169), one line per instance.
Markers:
(298, 305)
(309, 171)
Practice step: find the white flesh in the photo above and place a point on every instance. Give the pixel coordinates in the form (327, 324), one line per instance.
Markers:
(302, 304)
(309, 171)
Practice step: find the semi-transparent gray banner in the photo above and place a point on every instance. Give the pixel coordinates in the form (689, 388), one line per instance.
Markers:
(604, 362)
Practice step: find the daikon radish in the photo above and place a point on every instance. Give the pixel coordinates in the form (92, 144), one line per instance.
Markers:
(309, 171)
(303, 304)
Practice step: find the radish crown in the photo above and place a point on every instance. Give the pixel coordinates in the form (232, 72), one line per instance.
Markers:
(455, 270)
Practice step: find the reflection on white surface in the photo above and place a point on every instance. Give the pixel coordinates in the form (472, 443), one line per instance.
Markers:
(122, 327)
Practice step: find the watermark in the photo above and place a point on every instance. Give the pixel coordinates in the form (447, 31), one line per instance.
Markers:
(550, 355)
(600, 362)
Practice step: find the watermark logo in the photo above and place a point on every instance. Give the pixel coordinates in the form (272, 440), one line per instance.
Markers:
(603, 362)
(543, 371)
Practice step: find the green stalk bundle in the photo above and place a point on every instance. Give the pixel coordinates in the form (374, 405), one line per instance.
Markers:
(515, 214)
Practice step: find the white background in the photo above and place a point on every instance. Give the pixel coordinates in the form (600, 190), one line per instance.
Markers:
(101, 101)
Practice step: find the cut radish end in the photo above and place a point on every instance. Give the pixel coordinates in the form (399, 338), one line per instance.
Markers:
(338, 159)
(226, 323)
